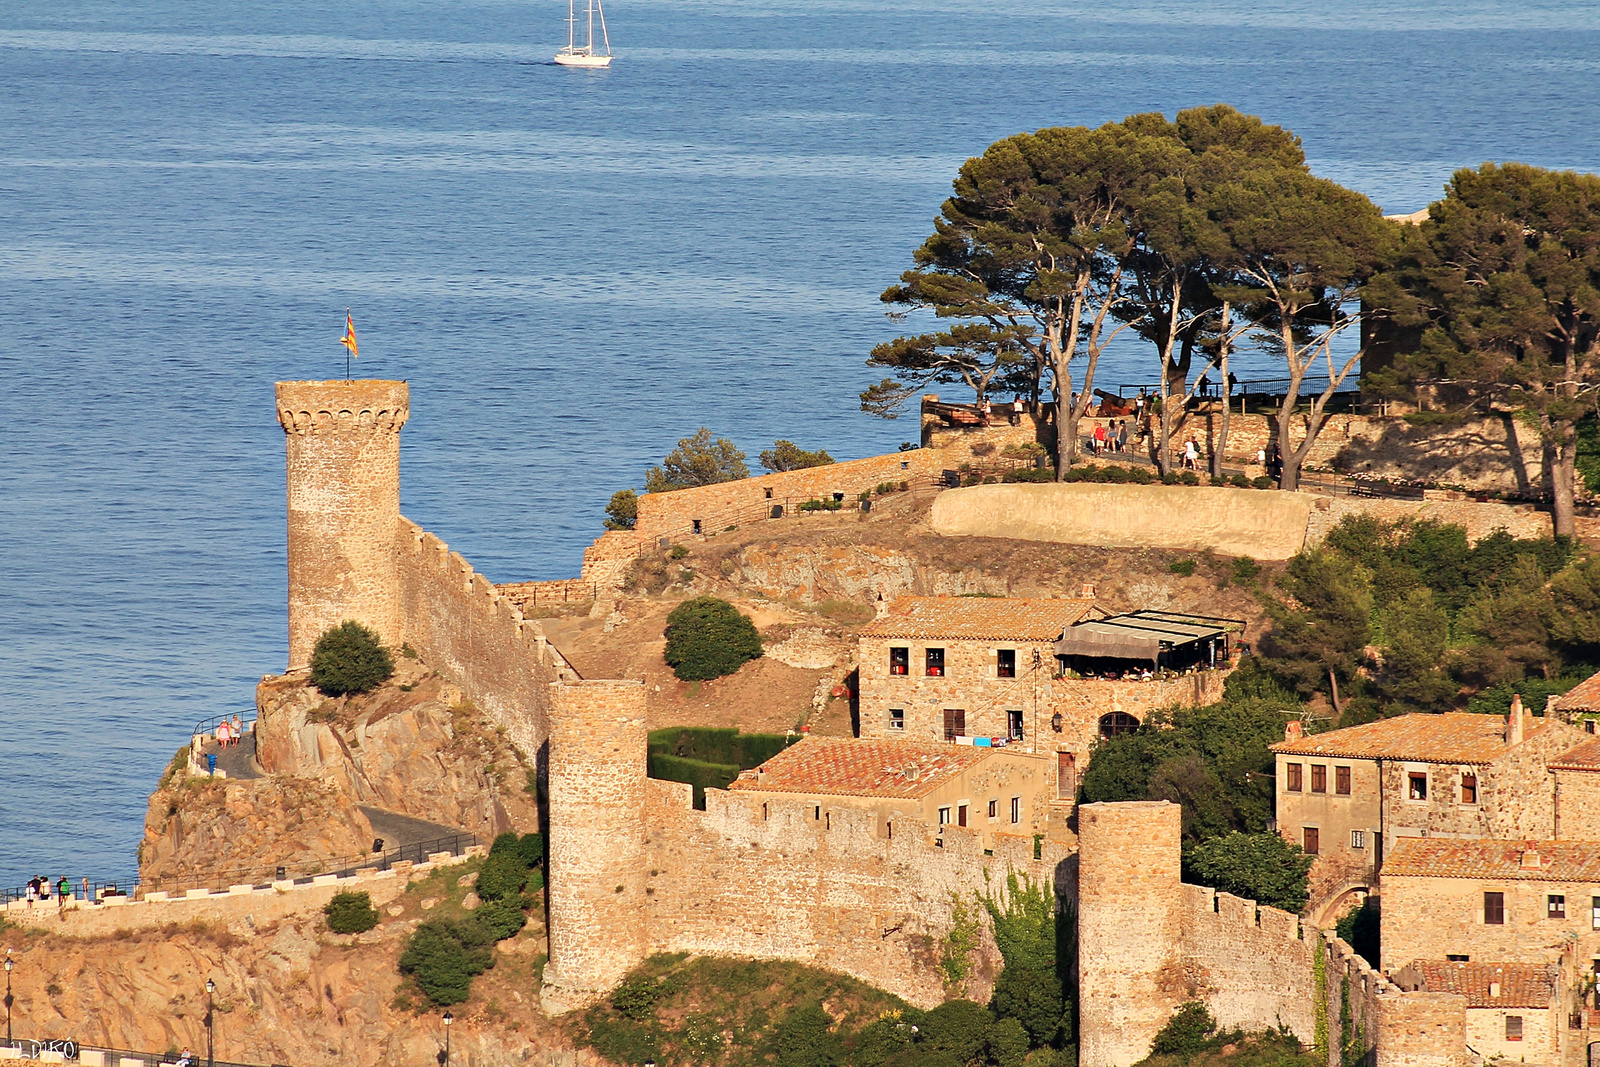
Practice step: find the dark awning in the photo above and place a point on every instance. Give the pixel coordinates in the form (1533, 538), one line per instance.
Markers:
(1142, 635)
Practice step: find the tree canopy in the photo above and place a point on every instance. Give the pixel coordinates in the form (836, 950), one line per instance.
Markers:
(703, 459)
(1503, 282)
(788, 456)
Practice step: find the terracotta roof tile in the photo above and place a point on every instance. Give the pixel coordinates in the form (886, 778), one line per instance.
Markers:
(1453, 857)
(1586, 757)
(1585, 696)
(979, 618)
(1451, 737)
(841, 766)
(1519, 985)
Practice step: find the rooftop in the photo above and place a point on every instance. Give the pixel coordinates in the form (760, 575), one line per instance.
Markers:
(1141, 634)
(979, 618)
(1490, 985)
(1585, 696)
(1586, 757)
(1450, 737)
(842, 766)
(1527, 861)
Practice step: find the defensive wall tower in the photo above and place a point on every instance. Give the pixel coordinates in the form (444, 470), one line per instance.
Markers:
(598, 767)
(343, 443)
(1129, 928)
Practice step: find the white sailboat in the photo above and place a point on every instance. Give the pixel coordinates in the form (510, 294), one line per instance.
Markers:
(575, 55)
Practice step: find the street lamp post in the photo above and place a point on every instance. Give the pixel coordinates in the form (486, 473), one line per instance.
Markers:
(211, 1046)
(444, 1053)
(10, 963)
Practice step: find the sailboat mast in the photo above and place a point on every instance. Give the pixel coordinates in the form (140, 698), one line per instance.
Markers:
(603, 34)
(590, 42)
(572, 25)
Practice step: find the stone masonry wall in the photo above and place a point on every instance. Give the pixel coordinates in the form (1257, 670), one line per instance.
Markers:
(1250, 963)
(598, 782)
(869, 893)
(1479, 519)
(1432, 918)
(460, 624)
(343, 445)
(1577, 805)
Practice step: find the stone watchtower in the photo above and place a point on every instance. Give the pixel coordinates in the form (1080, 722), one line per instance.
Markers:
(598, 768)
(1129, 928)
(344, 506)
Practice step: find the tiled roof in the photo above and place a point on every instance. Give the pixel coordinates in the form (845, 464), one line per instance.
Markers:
(1451, 737)
(1453, 857)
(1521, 985)
(1586, 757)
(1585, 696)
(842, 766)
(979, 618)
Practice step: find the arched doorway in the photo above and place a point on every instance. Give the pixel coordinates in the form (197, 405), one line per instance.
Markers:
(1117, 722)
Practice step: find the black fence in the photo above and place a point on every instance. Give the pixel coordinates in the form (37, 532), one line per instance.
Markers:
(263, 877)
(114, 1057)
(208, 727)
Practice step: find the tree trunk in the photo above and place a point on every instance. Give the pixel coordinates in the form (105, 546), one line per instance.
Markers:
(1288, 461)
(1563, 476)
(1333, 685)
(1220, 445)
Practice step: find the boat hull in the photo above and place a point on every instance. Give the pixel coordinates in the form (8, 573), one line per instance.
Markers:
(566, 60)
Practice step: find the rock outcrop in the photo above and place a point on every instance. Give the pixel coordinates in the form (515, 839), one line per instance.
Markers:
(412, 746)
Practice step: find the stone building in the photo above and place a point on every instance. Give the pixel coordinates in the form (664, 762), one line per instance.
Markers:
(993, 791)
(997, 669)
(1513, 1010)
(1346, 796)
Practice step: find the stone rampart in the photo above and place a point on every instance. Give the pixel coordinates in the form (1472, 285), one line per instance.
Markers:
(251, 905)
(461, 624)
(1479, 519)
(1252, 964)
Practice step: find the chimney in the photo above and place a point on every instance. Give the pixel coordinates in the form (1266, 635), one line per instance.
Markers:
(1494, 989)
(1293, 730)
(1514, 721)
(1088, 590)
(1530, 859)
(882, 606)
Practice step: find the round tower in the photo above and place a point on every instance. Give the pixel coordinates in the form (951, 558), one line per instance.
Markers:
(1129, 928)
(597, 858)
(344, 506)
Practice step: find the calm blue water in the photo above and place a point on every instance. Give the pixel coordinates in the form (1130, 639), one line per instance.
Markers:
(573, 269)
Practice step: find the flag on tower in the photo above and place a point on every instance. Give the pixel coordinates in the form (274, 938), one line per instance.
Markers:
(349, 338)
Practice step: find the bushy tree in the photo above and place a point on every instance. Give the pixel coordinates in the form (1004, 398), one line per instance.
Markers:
(788, 456)
(1008, 1044)
(708, 638)
(1261, 867)
(350, 913)
(703, 459)
(349, 658)
(1319, 633)
(444, 957)
(505, 872)
(805, 1038)
(1187, 1032)
(623, 511)
(958, 1027)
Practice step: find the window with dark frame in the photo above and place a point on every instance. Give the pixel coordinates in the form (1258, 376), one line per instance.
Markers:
(1291, 777)
(1418, 789)
(955, 723)
(1469, 789)
(1341, 781)
(1016, 810)
(944, 816)
(1555, 906)
(1067, 788)
(1319, 778)
(994, 809)
(1014, 725)
(897, 718)
(899, 661)
(1494, 909)
(935, 662)
(1312, 840)
(961, 815)
(1513, 1028)
(1594, 912)
(1006, 663)
(1358, 839)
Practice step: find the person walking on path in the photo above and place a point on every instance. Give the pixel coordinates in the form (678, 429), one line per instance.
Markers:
(1099, 438)
(1191, 455)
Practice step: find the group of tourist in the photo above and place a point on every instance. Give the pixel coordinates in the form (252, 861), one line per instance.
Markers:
(229, 732)
(1108, 437)
(40, 889)
(1013, 411)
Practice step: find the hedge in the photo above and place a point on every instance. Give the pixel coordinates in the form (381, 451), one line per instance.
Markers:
(709, 757)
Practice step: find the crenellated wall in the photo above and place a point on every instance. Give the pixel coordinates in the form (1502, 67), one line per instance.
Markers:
(1252, 964)
(461, 624)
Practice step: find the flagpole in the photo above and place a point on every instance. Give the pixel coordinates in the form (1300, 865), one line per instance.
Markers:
(347, 349)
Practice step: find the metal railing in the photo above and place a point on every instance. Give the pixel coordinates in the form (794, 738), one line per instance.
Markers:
(72, 1052)
(262, 876)
(208, 727)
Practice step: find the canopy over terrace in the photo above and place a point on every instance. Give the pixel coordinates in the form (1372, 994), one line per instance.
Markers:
(1158, 640)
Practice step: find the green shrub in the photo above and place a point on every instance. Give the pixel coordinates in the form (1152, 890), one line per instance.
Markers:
(637, 997)
(535, 882)
(959, 1027)
(1008, 1043)
(501, 918)
(1261, 867)
(709, 638)
(822, 505)
(505, 872)
(1245, 569)
(1170, 478)
(1183, 567)
(1189, 478)
(350, 913)
(444, 957)
(1033, 998)
(805, 1038)
(349, 659)
(677, 552)
(624, 1041)
(1029, 474)
(623, 511)
(1186, 1033)
(1262, 482)
(1239, 481)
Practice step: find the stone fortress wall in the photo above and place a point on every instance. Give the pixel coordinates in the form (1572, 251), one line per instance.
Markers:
(635, 869)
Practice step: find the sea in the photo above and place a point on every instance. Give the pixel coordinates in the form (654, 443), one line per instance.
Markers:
(574, 269)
